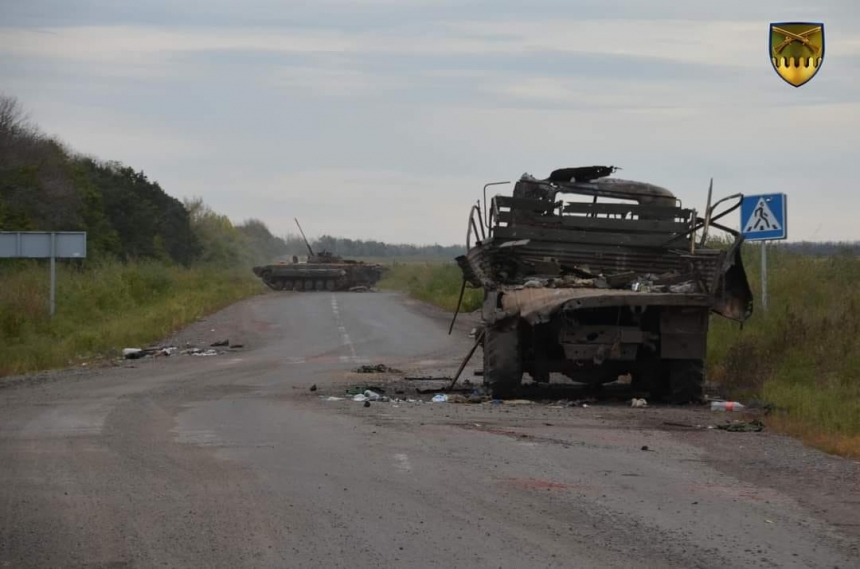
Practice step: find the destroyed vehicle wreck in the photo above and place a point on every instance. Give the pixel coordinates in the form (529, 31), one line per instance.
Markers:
(595, 277)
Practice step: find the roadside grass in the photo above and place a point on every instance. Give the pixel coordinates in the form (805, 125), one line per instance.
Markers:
(435, 282)
(104, 308)
(801, 356)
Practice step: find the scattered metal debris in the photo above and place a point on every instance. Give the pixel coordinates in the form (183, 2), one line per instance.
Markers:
(379, 368)
(426, 378)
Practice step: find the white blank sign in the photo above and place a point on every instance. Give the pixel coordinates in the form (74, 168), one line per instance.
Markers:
(37, 244)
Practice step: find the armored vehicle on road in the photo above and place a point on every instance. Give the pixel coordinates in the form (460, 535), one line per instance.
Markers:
(595, 277)
(321, 272)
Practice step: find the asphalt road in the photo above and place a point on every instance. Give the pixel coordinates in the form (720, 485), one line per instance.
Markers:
(231, 461)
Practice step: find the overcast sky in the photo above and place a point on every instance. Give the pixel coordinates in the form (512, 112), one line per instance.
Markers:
(383, 118)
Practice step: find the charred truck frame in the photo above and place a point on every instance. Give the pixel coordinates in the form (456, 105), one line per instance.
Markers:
(620, 279)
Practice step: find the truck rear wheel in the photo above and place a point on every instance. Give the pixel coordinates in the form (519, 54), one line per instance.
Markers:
(686, 381)
(503, 368)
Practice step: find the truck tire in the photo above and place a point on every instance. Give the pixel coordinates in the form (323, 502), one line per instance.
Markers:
(686, 381)
(330, 285)
(503, 368)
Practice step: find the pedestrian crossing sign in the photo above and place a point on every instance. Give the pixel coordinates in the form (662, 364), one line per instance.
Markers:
(763, 217)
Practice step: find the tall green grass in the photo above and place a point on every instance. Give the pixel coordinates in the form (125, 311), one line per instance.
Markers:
(435, 282)
(104, 308)
(802, 354)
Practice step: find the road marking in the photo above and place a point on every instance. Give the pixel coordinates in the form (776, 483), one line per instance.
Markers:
(344, 335)
(401, 463)
(344, 339)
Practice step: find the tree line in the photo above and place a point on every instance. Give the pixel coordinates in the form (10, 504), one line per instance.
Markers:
(46, 186)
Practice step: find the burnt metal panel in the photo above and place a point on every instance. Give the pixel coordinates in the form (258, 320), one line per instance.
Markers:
(606, 224)
(489, 261)
(653, 211)
(537, 305)
(683, 332)
(527, 204)
(600, 352)
(566, 236)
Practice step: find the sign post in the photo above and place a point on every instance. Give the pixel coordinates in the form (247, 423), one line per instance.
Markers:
(44, 245)
(764, 218)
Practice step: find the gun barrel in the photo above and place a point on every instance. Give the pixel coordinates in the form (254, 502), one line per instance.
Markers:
(308, 245)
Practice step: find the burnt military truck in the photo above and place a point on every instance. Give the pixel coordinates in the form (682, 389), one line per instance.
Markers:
(323, 271)
(596, 277)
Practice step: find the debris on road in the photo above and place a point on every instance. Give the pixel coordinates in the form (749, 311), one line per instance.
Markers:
(440, 398)
(205, 353)
(360, 389)
(726, 406)
(132, 353)
(568, 403)
(426, 378)
(430, 391)
(314, 387)
(681, 425)
(220, 344)
(378, 368)
(473, 399)
(638, 403)
(369, 395)
(137, 353)
(754, 426)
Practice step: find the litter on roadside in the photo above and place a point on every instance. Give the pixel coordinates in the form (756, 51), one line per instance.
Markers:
(440, 398)
(205, 353)
(379, 368)
(361, 389)
(137, 353)
(638, 403)
(369, 395)
(425, 378)
(726, 406)
(753, 426)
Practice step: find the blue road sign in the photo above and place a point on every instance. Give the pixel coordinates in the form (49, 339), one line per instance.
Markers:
(763, 217)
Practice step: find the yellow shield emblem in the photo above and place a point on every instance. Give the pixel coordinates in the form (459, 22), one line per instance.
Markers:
(796, 50)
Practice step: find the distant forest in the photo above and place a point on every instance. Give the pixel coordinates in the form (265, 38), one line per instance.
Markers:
(45, 186)
(359, 248)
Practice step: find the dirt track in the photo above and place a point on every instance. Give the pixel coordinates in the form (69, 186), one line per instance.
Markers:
(231, 461)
